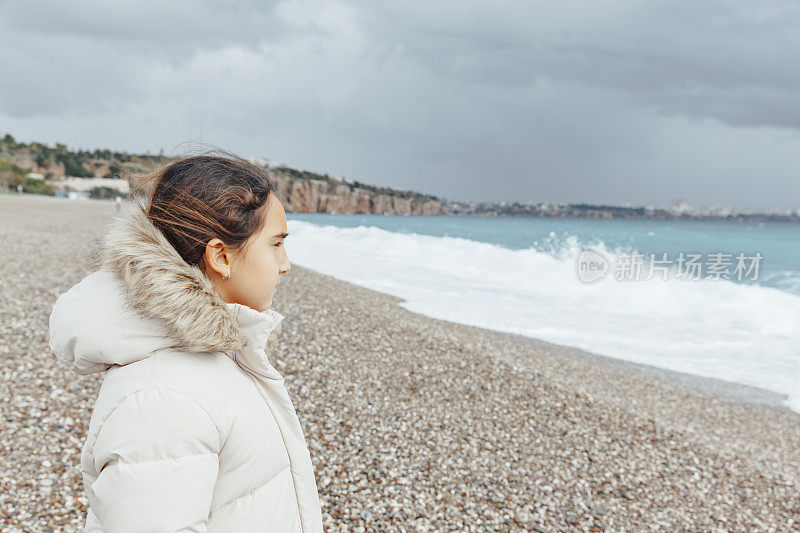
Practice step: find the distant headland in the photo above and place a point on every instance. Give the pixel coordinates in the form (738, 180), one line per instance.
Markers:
(56, 170)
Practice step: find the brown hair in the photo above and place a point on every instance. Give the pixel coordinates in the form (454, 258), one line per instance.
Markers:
(195, 199)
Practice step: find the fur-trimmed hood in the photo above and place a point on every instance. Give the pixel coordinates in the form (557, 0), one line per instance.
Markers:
(188, 440)
(146, 298)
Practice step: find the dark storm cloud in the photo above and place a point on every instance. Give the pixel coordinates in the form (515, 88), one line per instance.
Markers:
(639, 102)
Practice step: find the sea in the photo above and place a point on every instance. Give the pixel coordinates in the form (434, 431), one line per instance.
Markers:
(713, 299)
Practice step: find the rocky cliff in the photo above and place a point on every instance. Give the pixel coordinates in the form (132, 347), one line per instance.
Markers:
(328, 195)
(300, 190)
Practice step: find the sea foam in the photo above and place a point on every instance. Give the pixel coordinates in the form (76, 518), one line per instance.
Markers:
(748, 334)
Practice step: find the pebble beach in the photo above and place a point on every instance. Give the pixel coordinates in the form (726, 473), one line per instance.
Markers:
(414, 424)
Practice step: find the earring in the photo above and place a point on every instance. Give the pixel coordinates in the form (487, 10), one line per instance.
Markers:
(226, 278)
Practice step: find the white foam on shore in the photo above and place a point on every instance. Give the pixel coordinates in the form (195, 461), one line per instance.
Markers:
(742, 333)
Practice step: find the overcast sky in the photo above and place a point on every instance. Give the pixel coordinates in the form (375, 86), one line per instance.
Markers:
(602, 102)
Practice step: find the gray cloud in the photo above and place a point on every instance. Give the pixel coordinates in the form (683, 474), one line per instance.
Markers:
(576, 101)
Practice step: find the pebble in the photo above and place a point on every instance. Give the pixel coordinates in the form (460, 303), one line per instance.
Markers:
(413, 424)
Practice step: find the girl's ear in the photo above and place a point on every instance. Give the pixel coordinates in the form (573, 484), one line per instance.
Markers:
(216, 258)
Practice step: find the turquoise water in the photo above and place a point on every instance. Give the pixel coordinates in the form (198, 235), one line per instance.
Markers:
(777, 242)
(522, 275)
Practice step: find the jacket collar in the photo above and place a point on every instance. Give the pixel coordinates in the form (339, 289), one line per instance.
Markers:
(157, 283)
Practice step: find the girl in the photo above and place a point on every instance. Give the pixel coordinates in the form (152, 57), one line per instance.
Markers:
(193, 429)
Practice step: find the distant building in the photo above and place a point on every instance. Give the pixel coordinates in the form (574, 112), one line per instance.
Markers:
(679, 206)
(87, 184)
(73, 195)
(260, 161)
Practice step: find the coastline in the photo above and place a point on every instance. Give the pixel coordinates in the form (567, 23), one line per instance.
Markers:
(711, 387)
(416, 422)
(744, 429)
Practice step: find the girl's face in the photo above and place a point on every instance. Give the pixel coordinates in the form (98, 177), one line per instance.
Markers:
(254, 272)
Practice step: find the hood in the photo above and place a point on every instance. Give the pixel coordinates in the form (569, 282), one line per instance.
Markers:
(146, 298)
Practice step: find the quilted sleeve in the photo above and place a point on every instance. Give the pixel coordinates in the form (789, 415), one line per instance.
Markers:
(157, 459)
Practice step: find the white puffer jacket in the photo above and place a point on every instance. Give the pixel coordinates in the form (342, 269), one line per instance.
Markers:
(193, 429)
